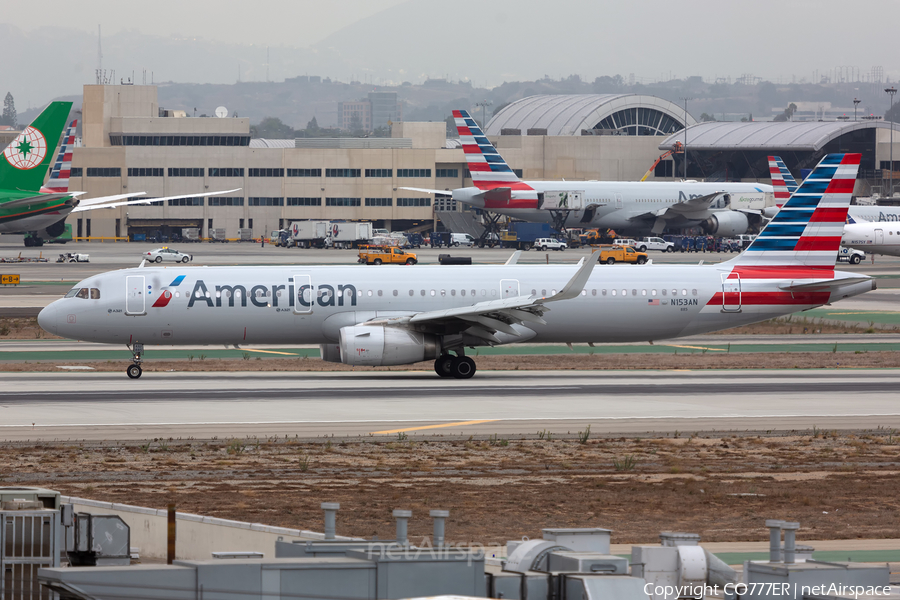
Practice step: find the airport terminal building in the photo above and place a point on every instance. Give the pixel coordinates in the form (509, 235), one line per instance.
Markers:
(128, 147)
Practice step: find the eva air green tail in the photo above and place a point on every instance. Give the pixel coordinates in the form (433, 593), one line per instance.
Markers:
(24, 163)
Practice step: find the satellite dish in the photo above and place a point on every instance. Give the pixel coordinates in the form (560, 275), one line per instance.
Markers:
(221, 112)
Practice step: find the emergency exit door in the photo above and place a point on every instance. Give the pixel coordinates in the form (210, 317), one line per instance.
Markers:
(135, 295)
(509, 288)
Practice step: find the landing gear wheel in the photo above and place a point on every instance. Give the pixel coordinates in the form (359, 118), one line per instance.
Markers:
(462, 367)
(442, 366)
(134, 371)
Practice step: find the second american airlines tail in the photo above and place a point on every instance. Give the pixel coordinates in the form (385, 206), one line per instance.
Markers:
(377, 317)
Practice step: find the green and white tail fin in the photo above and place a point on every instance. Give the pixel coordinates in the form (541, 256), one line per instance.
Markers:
(24, 163)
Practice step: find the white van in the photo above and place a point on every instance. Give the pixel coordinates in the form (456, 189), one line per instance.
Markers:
(461, 239)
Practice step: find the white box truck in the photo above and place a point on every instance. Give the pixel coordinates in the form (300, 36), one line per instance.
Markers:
(310, 234)
(349, 234)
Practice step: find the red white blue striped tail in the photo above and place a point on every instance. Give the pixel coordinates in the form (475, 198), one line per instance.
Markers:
(488, 169)
(59, 174)
(782, 180)
(807, 230)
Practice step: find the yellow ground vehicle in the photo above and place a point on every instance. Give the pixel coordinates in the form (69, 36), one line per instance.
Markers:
(376, 255)
(594, 237)
(610, 254)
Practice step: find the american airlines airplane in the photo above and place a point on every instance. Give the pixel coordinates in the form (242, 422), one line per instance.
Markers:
(876, 229)
(402, 315)
(628, 207)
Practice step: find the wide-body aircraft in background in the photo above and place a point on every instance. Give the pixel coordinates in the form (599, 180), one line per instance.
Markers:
(28, 206)
(628, 207)
(401, 315)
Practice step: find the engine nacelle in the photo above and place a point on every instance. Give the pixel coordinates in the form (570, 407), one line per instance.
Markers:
(727, 223)
(378, 346)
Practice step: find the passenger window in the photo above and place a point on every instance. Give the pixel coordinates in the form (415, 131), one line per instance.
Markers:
(423, 292)
(552, 292)
(614, 292)
(443, 293)
(543, 292)
(694, 292)
(643, 292)
(369, 293)
(593, 292)
(634, 292)
(396, 293)
(664, 292)
(473, 293)
(684, 292)
(432, 292)
(624, 292)
(412, 292)
(584, 292)
(463, 292)
(380, 293)
(82, 293)
(72, 293)
(452, 292)
(178, 294)
(493, 292)
(95, 294)
(674, 292)
(652, 292)
(604, 292)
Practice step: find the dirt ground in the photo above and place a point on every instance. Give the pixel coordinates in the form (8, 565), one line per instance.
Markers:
(836, 484)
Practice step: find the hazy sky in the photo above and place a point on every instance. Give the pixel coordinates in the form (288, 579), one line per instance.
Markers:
(289, 22)
(486, 42)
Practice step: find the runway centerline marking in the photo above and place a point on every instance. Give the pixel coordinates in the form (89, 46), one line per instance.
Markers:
(437, 426)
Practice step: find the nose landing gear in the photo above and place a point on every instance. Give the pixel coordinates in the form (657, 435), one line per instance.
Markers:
(134, 370)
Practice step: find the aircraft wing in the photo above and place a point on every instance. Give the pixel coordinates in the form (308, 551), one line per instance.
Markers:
(36, 198)
(427, 191)
(680, 209)
(486, 319)
(96, 203)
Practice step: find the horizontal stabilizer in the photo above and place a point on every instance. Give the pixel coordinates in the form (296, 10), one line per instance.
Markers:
(37, 198)
(427, 191)
(821, 286)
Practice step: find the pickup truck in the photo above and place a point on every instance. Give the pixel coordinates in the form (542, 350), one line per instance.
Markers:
(626, 254)
(549, 244)
(376, 255)
(654, 243)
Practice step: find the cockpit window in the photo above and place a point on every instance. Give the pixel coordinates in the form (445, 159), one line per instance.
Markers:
(95, 294)
(72, 292)
(82, 293)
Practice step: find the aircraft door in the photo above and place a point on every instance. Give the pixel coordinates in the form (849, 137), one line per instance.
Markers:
(304, 295)
(731, 292)
(879, 237)
(509, 288)
(618, 200)
(135, 295)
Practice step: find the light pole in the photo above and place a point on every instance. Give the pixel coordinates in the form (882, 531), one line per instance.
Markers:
(685, 134)
(856, 102)
(484, 104)
(891, 91)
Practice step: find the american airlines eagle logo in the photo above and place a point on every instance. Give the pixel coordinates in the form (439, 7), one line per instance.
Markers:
(28, 150)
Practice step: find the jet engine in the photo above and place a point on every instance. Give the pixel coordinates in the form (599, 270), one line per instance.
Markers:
(726, 223)
(56, 229)
(380, 345)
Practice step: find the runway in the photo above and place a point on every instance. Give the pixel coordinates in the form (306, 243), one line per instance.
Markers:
(107, 406)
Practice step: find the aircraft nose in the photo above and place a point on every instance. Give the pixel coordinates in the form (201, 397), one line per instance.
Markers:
(47, 318)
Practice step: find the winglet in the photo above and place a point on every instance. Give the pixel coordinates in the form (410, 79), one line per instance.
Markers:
(577, 283)
(513, 259)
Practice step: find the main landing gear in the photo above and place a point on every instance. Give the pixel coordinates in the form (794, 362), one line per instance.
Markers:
(458, 367)
(134, 370)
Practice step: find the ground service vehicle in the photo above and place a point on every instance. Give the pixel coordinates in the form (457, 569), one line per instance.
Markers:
(190, 234)
(167, 254)
(436, 312)
(462, 239)
(851, 255)
(279, 237)
(654, 243)
(594, 237)
(440, 239)
(310, 234)
(73, 257)
(626, 254)
(245, 234)
(549, 244)
(218, 235)
(377, 255)
(350, 234)
(522, 236)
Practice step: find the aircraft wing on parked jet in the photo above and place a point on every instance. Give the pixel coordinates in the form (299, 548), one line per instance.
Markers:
(97, 203)
(427, 191)
(681, 209)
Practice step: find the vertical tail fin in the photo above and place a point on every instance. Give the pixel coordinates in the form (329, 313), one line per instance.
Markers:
(782, 180)
(487, 167)
(807, 230)
(24, 163)
(59, 174)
